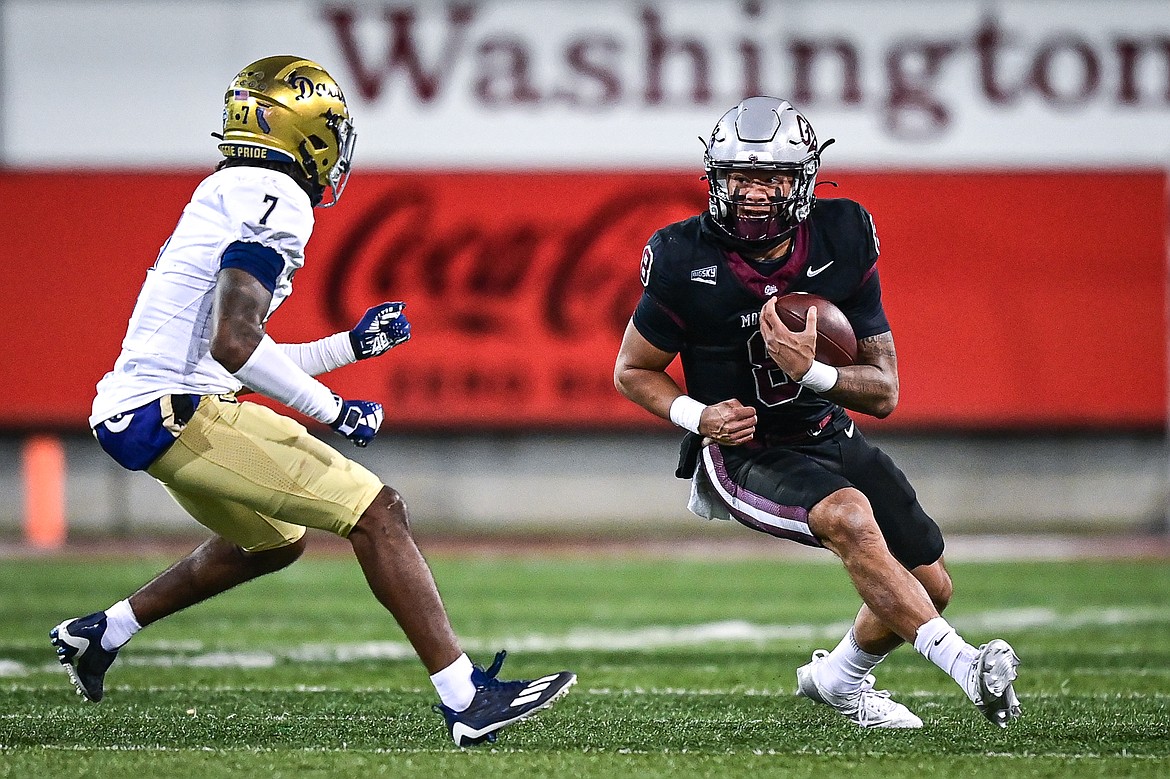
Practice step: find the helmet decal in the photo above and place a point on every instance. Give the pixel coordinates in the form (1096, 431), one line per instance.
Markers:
(307, 88)
(807, 136)
(251, 79)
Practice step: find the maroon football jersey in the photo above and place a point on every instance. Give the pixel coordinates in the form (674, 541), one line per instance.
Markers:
(702, 300)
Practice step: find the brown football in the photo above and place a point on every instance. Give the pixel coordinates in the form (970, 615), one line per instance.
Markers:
(836, 343)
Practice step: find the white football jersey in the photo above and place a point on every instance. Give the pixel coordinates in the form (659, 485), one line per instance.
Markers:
(167, 348)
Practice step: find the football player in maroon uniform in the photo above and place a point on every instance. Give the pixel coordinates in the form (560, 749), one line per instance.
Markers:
(770, 443)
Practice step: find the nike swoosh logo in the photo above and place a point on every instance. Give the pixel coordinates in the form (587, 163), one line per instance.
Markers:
(849, 430)
(940, 639)
(813, 272)
(116, 424)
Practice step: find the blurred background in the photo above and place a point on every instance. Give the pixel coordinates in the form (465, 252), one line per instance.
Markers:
(513, 158)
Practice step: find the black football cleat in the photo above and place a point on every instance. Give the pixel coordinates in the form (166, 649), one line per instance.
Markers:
(79, 649)
(498, 704)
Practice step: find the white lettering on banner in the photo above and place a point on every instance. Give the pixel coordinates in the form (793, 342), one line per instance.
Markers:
(514, 83)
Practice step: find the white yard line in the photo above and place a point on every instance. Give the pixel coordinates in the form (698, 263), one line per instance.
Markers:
(406, 751)
(169, 654)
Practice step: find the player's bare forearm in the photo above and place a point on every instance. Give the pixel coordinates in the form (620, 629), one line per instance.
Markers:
(652, 390)
(640, 374)
(870, 385)
(728, 422)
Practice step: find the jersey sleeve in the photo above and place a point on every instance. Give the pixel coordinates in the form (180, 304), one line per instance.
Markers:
(263, 263)
(864, 308)
(873, 246)
(656, 317)
(267, 214)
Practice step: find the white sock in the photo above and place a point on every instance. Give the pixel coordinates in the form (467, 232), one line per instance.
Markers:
(121, 624)
(846, 667)
(941, 644)
(454, 685)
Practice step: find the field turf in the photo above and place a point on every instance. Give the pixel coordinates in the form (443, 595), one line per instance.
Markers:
(686, 669)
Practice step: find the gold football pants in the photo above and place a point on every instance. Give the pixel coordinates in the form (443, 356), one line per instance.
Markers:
(258, 478)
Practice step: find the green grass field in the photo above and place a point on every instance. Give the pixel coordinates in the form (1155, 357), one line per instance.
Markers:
(686, 669)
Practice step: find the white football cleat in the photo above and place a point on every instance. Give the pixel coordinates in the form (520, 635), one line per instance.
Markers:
(865, 707)
(993, 671)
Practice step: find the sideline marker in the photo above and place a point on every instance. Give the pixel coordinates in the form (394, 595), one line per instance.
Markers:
(44, 492)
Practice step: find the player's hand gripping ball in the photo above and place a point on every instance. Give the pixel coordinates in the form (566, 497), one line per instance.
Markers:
(836, 342)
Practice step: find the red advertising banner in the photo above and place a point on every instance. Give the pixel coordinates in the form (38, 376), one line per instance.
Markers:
(1018, 300)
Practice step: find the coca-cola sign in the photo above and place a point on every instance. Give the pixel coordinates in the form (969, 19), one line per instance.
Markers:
(573, 277)
(518, 287)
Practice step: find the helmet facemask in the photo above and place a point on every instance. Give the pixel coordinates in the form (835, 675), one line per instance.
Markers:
(766, 141)
(338, 175)
(760, 203)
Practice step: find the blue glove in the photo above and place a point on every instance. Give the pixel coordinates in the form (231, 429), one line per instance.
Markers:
(381, 329)
(359, 420)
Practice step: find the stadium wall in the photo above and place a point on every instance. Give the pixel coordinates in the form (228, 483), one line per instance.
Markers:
(586, 485)
(509, 173)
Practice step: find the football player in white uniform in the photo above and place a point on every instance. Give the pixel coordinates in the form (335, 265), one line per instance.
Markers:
(254, 477)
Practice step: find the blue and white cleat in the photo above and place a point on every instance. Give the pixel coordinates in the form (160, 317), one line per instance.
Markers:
(498, 704)
(79, 649)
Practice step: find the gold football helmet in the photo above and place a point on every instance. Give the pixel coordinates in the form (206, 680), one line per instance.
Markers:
(288, 109)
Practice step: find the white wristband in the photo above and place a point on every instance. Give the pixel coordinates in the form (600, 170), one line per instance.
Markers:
(686, 412)
(820, 377)
(270, 372)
